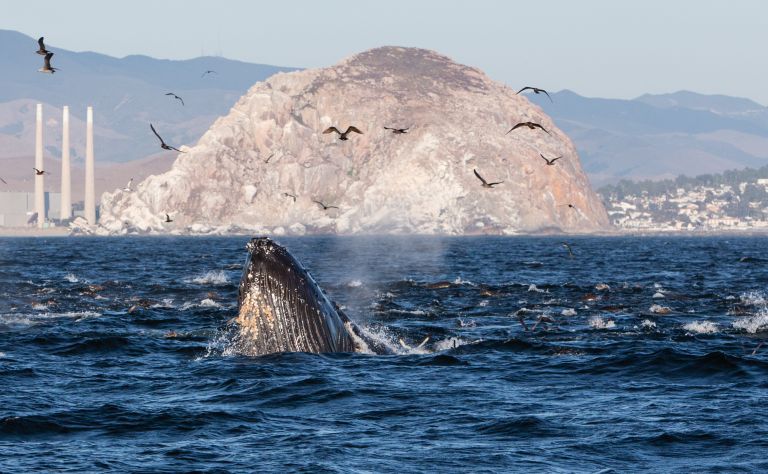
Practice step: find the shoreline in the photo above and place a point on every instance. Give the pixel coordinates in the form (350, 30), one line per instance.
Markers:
(9, 232)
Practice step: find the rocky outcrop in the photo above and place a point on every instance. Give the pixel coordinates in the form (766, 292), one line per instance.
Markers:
(418, 182)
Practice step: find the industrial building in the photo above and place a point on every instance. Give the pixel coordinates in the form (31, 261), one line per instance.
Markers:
(45, 209)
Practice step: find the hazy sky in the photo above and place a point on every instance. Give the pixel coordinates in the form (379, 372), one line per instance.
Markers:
(599, 48)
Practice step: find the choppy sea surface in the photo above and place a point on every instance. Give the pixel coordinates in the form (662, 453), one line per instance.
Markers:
(635, 355)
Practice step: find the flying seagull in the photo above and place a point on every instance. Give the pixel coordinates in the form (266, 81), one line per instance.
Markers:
(531, 125)
(291, 196)
(47, 68)
(486, 184)
(568, 247)
(42, 51)
(40, 172)
(397, 131)
(163, 145)
(325, 208)
(127, 187)
(210, 71)
(343, 136)
(552, 161)
(536, 90)
(269, 158)
(175, 97)
(168, 218)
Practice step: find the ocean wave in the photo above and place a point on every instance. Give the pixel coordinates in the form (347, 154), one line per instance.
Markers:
(212, 277)
(754, 298)
(752, 324)
(354, 284)
(568, 312)
(596, 322)
(701, 327)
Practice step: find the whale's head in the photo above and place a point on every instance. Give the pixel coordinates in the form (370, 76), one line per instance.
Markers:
(282, 308)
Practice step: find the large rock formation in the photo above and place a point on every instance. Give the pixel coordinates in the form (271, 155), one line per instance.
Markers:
(419, 182)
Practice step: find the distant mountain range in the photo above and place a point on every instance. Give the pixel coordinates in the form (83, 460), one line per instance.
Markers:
(661, 136)
(650, 137)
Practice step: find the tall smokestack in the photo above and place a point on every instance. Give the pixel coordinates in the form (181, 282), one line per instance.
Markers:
(66, 182)
(39, 178)
(90, 200)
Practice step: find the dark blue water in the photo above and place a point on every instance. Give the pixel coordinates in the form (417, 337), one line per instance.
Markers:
(645, 356)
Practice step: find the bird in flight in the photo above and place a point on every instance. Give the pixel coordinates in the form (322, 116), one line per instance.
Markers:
(531, 125)
(536, 90)
(175, 97)
(127, 187)
(397, 131)
(325, 208)
(343, 136)
(40, 172)
(47, 68)
(269, 158)
(168, 218)
(552, 161)
(570, 251)
(4, 182)
(163, 145)
(210, 71)
(42, 51)
(569, 205)
(486, 184)
(292, 196)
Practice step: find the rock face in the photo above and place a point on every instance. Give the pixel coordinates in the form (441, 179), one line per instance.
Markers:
(418, 182)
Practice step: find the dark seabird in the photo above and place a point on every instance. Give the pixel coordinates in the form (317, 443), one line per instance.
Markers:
(42, 51)
(175, 97)
(552, 161)
(486, 184)
(163, 145)
(127, 187)
(397, 131)
(40, 172)
(4, 182)
(269, 158)
(210, 71)
(290, 196)
(47, 68)
(531, 125)
(325, 208)
(343, 136)
(536, 90)
(168, 218)
(570, 251)
(569, 205)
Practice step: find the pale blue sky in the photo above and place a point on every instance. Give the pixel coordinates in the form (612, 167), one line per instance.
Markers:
(599, 48)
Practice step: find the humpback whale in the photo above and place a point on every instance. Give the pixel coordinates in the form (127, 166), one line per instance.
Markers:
(281, 308)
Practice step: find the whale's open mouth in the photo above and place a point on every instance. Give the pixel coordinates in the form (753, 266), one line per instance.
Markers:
(282, 308)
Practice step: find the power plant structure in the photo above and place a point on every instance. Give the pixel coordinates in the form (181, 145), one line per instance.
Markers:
(19, 209)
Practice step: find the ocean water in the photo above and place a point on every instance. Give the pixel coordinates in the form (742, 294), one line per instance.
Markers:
(636, 355)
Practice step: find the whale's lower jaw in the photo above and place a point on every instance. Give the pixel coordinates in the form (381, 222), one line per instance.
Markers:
(282, 308)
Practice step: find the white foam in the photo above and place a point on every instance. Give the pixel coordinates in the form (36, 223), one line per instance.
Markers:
(459, 281)
(659, 294)
(596, 322)
(212, 277)
(209, 303)
(164, 303)
(355, 284)
(701, 327)
(32, 319)
(536, 289)
(470, 323)
(752, 324)
(568, 312)
(602, 287)
(450, 343)
(417, 312)
(483, 303)
(70, 277)
(648, 324)
(39, 307)
(755, 298)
